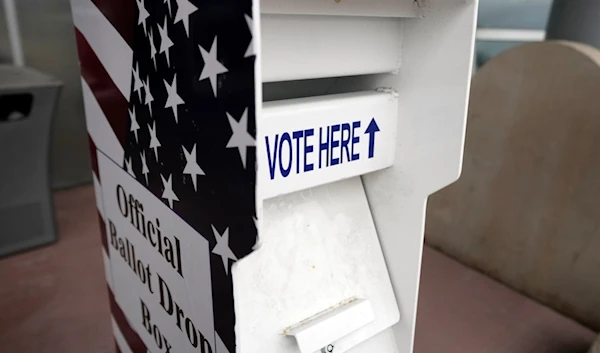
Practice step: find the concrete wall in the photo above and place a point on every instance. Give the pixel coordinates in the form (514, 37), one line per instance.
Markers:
(525, 210)
(49, 46)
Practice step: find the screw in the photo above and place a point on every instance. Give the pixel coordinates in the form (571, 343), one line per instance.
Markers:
(328, 349)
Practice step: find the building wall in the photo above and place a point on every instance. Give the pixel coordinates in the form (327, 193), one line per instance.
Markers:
(49, 46)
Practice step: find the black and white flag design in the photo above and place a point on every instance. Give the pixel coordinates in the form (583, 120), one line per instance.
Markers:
(191, 133)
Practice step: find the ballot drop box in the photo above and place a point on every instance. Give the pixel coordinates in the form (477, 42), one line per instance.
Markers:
(262, 168)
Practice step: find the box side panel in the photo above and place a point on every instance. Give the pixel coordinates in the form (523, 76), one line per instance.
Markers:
(434, 88)
(170, 102)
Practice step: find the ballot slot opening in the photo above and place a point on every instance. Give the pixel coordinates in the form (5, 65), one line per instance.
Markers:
(285, 90)
(375, 8)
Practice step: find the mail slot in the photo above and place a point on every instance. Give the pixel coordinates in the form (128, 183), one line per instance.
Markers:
(262, 167)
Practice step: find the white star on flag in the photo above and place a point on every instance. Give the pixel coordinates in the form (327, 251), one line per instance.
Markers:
(173, 99)
(154, 143)
(165, 41)
(143, 14)
(222, 248)
(240, 137)
(250, 50)
(168, 193)
(129, 167)
(137, 82)
(184, 10)
(191, 167)
(152, 48)
(134, 124)
(149, 98)
(168, 2)
(212, 67)
(145, 169)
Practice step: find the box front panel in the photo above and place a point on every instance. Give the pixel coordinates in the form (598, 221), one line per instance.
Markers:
(169, 92)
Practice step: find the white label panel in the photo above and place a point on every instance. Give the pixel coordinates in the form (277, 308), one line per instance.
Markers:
(313, 141)
(160, 266)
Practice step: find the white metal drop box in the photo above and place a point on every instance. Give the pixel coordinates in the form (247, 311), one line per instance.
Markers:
(262, 168)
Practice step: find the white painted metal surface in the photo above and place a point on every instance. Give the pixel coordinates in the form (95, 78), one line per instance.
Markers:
(314, 334)
(313, 141)
(434, 91)
(433, 87)
(383, 8)
(318, 248)
(304, 47)
(276, 287)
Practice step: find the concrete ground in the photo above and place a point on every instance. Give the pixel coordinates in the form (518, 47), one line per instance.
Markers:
(54, 299)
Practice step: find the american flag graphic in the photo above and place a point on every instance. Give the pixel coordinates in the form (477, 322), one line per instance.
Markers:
(168, 87)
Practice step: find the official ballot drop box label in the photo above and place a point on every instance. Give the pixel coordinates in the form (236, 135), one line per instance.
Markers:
(160, 266)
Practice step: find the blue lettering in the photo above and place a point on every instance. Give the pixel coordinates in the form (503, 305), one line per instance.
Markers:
(334, 144)
(323, 146)
(355, 139)
(297, 135)
(308, 149)
(285, 171)
(345, 142)
(273, 158)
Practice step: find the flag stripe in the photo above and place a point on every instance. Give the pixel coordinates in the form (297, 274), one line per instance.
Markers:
(133, 340)
(117, 349)
(103, 234)
(107, 269)
(121, 14)
(98, 192)
(112, 50)
(99, 127)
(120, 339)
(93, 157)
(111, 101)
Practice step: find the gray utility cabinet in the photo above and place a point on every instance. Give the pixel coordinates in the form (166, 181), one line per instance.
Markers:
(27, 101)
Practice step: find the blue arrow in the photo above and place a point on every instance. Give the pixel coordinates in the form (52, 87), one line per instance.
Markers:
(371, 130)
